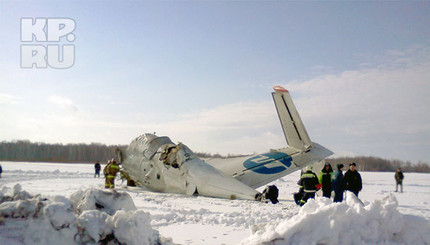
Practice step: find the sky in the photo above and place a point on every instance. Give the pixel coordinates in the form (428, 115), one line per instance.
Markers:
(201, 72)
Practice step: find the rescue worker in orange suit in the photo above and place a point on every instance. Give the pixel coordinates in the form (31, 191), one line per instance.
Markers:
(110, 172)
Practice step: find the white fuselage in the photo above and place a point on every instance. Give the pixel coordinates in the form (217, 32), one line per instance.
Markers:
(190, 175)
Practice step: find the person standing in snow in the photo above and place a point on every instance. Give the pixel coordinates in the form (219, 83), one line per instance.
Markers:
(1, 170)
(339, 184)
(353, 179)
(325, 178)
(399, 179)
(97, 168)
(310, 184)
(110, 172)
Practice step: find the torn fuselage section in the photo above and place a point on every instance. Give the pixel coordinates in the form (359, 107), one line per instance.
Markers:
(160, 165)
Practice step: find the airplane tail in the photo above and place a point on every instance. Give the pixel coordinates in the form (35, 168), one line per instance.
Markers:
(260, 169)
(292, 125)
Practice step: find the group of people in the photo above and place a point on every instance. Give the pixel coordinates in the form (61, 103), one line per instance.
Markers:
(330, 181)
(309, 183)
(351, 181)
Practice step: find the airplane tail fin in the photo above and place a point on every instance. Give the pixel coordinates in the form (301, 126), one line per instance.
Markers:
(292, 125)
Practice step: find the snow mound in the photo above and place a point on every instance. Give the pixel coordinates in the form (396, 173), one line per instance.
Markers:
(321, 221)
(91, 216)
(103, 200)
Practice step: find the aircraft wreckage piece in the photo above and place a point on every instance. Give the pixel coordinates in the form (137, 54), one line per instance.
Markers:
(160, 165)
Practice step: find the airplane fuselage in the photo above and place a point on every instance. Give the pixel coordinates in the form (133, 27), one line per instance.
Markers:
(160, 165)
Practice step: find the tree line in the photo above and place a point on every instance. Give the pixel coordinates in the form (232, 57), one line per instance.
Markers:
(24, 150)
(380, 164)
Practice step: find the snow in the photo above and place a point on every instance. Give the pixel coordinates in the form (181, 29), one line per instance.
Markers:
(89, 216)
(43, 203)
(346, 223)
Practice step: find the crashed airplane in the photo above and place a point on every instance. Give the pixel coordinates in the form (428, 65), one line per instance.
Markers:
(160, 165)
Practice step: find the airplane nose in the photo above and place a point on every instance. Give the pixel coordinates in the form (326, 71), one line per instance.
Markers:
(211, 182)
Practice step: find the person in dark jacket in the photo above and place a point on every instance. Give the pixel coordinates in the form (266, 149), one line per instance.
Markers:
(1, 170)
(339, 184)
(353, 179)
(309, 182)
(325, 178)
(97, 168)
(399, 179)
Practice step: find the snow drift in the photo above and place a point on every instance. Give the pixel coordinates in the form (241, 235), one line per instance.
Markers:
(321, 221)
(91, 216)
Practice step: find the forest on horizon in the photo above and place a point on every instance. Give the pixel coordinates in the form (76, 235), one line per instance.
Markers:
(25, 150)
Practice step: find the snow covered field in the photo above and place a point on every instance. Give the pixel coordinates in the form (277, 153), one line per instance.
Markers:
(202, 220)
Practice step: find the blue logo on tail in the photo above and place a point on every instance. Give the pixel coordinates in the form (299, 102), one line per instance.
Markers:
(257, 163)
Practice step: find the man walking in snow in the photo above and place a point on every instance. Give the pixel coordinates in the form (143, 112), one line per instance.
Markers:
(310, 184)
(399, 179)
(353, 179)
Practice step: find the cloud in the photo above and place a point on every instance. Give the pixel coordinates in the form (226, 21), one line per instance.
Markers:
(63, 102)
(381, 111)
(393, 52)
(8, 99)
(243, 127)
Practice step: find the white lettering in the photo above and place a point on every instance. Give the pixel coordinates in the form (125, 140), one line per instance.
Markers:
(58, 61)
(58, 28)
(33, 55)
(30, 29)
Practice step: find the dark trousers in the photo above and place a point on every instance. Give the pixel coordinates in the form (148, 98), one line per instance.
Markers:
(401, 186)
(355, 192)
(338, 196)
(326, 192)
(306, 196)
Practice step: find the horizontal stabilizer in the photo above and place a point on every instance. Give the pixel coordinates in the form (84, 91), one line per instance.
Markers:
(292, 125)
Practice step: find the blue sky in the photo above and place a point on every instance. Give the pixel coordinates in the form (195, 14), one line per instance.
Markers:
(202, 73)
